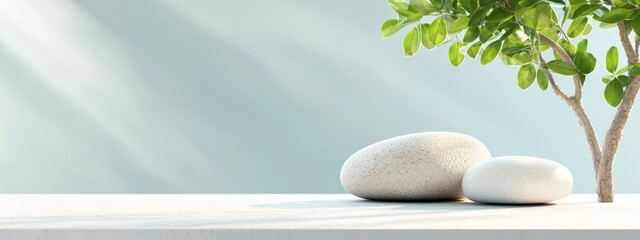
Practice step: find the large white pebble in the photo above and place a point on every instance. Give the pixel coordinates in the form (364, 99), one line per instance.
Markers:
(517, 180)
(419, 166)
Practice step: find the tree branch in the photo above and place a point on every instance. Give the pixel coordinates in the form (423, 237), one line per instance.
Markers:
(566, 58)
(552, 81)
(614, 134)
(583, 118)
(622, 115)
(506, 3)
(632, 57)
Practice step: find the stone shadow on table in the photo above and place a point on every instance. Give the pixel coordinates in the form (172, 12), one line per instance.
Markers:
(435, 206)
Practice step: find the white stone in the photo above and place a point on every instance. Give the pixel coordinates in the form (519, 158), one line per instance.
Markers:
(517, 180)
(419, 166)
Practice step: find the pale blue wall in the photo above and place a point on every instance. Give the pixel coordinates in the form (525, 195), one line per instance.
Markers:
(251, 96)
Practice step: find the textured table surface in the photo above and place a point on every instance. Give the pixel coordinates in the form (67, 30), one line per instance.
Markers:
(39, 216)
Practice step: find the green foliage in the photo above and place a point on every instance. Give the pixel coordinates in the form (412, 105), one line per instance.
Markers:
(455, 56)
(526, 76)
(471, 34)
(437, 32)
(511, 30)
(542, 79)
(613, 92)
(474, 49)
(469, 5)
(585, 10)
(619, 3)
(490, 52)
(585, 62)
(582, 45)
(537, 17)
(411, 43)
(612, 59)
(459, 24)
(390, 27)
(424, 29)
(561, 67)
(478, 16)
(576, 27)
(615, 15)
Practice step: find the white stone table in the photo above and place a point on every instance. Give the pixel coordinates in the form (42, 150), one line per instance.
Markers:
(313, 216)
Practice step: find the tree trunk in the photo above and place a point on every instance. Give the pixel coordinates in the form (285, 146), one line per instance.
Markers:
(602, 157)
(589, 132)
(604, 185)
(604, 181)
(604, 171)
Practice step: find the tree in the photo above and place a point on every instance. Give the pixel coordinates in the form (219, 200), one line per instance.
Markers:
(520, 32)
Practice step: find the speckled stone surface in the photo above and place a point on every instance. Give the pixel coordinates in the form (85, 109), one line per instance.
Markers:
(419, 166)
(517, 180)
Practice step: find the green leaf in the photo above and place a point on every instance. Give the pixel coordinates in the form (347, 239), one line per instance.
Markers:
(635, 24)
(612, 59)
(437, 32)
(469, 5)
(529, 3)
(582, 46)
(518, 12)
(455, 57)
(490, 53)
(585, 10)
(516, 59)
(615, 15)
(560, 2)
(486, 34)
(498, 16)
(477, 17)
(537, 17)
(389, 28)
(436, 3)
(619, 3)
(607, 25)
(414, 17)
(459, 24)
(411, 43)
(624, 79)
(582, 78)
(421, 5)
(552, 33)
(486, 3)
(586, 31)
(526, 76)
(517, 37)
(628, 26)
(401, 8)
(567, 47)
(474, 49)
(561, 67)
(635, 70)
(576, 27)
(624, 69)
(471, 34)
(607, 79)
(613, 93)
(424, 28)
(585, 62)
(543, 80)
